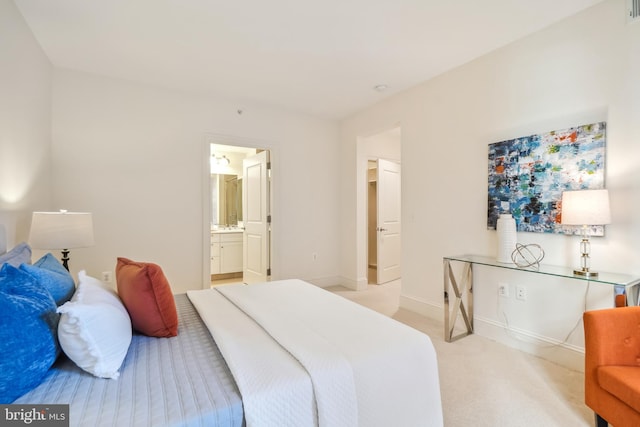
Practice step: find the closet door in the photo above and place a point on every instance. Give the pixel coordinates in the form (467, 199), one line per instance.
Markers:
(388, 214)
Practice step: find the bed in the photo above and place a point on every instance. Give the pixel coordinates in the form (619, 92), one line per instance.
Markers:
(181, 381)
(274, 354)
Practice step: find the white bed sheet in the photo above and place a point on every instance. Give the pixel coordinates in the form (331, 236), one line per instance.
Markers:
(393, 368)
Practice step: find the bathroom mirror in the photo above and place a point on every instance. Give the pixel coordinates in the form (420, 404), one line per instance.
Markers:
(226, 200)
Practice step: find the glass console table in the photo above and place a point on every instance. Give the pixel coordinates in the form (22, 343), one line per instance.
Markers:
(464, 284)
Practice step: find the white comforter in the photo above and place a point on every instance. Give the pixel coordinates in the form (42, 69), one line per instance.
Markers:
(302, 356)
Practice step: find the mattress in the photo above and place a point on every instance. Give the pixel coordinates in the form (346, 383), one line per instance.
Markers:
(178, 381)
(303, 356)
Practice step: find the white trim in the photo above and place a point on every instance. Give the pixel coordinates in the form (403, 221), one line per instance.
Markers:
(325, 282)
(567, 355)
(206, 214)
(221, 139)
(422, 307)
(361, 227)
(362, 284)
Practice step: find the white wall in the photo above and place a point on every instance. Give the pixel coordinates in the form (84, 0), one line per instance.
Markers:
(25, 125)
(133, 155)
(581, 70)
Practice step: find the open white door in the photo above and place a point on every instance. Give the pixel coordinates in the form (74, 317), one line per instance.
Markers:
(255, 202)
(388, 230)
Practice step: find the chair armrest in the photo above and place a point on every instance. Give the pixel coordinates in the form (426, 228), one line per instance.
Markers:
(612, 337)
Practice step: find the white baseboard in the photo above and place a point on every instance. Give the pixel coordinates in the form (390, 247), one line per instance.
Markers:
(420, 306)
(567, 355)
(361, 284)
(325, 282)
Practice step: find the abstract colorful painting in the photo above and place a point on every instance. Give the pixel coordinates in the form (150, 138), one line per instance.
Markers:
(528, 175)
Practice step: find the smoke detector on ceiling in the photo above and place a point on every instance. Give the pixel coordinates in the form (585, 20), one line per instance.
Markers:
(633, 11)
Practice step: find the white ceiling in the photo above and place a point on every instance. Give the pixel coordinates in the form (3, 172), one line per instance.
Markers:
(321, 57)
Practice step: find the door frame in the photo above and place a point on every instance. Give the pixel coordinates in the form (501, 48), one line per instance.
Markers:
(369, 147)
(394, 228)
(221, 139)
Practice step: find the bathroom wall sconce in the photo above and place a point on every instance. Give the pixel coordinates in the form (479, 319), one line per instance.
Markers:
(585, 208)
(220, 161)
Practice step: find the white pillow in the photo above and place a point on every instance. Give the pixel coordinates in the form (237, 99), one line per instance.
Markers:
(95, 329)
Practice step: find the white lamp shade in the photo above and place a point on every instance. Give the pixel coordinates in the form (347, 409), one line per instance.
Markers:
(586, 207)
(61, 230)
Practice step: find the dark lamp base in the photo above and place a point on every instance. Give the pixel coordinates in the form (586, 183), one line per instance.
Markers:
(65, 258)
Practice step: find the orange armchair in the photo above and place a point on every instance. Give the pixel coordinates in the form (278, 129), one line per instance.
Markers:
(612, 365)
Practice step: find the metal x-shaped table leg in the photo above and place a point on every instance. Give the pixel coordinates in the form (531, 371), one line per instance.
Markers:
(466, 284)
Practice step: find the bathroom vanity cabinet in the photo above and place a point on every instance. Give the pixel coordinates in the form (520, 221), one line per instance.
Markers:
(226, 252)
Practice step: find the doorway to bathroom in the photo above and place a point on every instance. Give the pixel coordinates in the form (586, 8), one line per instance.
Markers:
(237, 243)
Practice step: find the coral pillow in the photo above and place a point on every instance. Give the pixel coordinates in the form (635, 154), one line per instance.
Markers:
(146, 293)
(28, 336)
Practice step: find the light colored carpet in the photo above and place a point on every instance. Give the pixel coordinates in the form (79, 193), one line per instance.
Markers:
(484, 383)
(384, 299)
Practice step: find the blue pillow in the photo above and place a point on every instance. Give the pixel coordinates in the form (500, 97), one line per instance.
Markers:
(28, 340)
(20, 254)
(52, 275)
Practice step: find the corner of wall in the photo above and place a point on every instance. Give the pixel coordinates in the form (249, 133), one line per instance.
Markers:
(423, 307)
(325, 282)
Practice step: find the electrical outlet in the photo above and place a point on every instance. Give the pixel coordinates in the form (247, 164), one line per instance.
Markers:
(106, 276)
(521, 293)
(503, 290)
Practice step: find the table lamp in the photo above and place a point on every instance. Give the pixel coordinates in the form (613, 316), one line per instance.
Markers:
(61, 230)
(585, 208)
